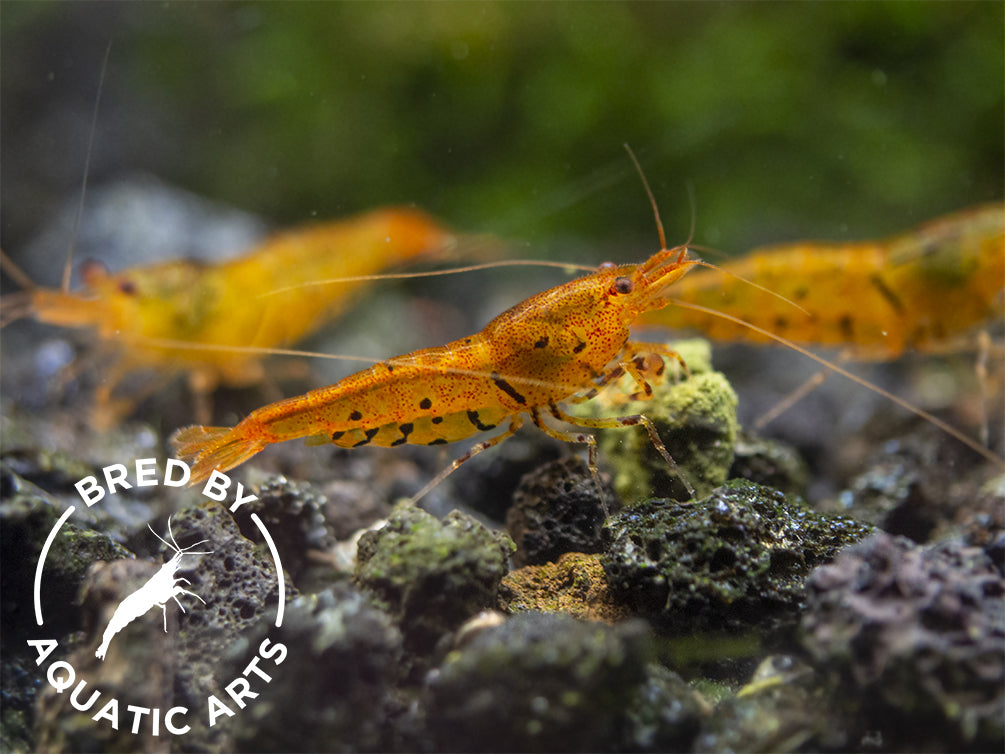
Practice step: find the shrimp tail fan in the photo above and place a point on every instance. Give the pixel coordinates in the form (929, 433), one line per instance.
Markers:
(209, 448)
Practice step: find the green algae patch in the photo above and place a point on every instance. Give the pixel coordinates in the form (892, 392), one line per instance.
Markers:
(696, 419)
(27, 517)
(431, 575)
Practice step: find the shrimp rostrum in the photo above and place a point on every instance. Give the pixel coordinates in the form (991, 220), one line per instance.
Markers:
(559, 346)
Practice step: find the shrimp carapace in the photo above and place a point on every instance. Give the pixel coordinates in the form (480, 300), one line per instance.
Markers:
(560, 345)
(919, 290)
(260, 300)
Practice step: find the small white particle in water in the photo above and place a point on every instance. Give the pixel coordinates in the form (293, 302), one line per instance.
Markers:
(891, 446)
(146, 438)
(53, 357)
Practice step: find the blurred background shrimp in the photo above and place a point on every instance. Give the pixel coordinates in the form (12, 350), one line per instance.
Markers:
(186, 316)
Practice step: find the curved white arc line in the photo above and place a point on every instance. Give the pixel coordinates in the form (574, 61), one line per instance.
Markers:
(279, 568)
(41, 562)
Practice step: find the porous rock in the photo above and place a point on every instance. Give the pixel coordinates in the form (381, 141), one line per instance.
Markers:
(913, 638)
(735, 561)
(557, 508)
(431, 575)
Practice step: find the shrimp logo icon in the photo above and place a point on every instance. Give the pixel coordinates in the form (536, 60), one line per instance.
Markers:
(161, 587)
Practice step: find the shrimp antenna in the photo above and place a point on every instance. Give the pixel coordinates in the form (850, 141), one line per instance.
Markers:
(432, 273)
(19, 276)
(171, 534)
(906, 405)
(693, 203)
(176, 547)
(649, 193)
(166, 543)
(68, 267)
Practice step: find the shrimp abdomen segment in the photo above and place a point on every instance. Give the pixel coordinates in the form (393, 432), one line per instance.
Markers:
(422, 430)
(429, 397)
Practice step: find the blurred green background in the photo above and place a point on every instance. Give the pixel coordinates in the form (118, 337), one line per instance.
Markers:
(789, 120)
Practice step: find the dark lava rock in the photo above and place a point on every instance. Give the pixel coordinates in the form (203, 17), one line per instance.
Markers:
(772, 463)
(665, 715)
(985, 526)
(230, 586)
(26, 519)
(137, 669)
(431, 575)
(558, 509)
(914, 638)
(27, 516)
(732, 562)
(538, 682)
(294, 514)
(916, 483)
(237, 580)
(48, 469)
(488, 488)
(331, 691)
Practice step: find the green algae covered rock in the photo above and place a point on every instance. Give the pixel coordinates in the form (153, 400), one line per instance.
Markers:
(431, 575)
(333, 691)
(696, 419)
(538, 682)
(26, 518)
(735, 561)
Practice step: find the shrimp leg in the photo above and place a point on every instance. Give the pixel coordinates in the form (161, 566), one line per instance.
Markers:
(515, 423)
(613, 422)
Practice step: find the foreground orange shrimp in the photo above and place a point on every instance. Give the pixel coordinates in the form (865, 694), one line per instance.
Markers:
(558, 346)
(920, 290)
(259, 300)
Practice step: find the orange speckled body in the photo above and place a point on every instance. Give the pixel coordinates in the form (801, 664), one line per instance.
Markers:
(918, 290)
(549, 348)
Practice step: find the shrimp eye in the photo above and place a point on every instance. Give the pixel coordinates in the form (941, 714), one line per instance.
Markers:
(622, 285)
(127, 287)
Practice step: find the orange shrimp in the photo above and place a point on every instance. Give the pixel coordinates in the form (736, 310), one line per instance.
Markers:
(919, 290)
(561, 345)
(257, 301)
